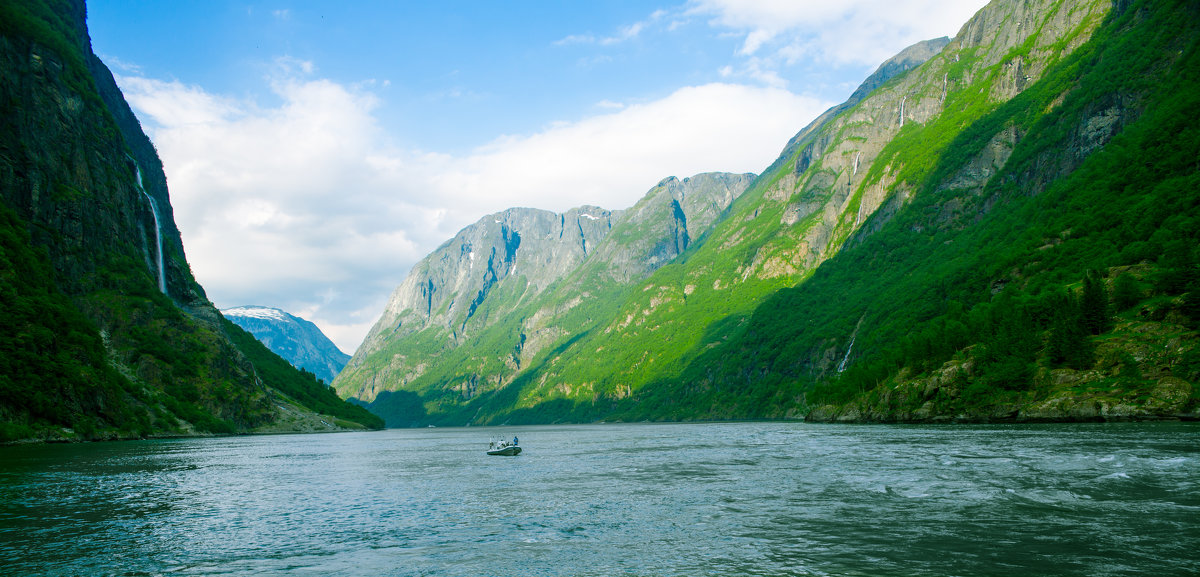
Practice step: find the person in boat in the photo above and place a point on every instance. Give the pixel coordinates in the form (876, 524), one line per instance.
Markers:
(514, 440)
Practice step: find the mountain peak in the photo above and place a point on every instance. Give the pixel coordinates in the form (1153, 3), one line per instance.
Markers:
(297, 340)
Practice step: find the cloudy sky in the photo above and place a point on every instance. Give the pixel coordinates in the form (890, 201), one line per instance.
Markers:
(316, 150)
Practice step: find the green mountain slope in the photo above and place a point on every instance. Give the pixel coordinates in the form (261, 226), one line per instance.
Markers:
(836, 179)
(106, 332)
(938, 247)
(1062, 285)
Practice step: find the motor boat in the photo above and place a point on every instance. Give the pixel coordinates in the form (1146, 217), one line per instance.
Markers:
(504, 448)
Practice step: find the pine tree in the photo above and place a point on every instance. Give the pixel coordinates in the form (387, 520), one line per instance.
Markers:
(1178, 267)
(1094, 303)
(1126, 292)
(1009, 351)
(1068, 343)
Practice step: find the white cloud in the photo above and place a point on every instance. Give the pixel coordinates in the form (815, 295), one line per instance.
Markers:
(308, 207)
(624, 33)
(576, 39)
(778, 33)
(613, 159)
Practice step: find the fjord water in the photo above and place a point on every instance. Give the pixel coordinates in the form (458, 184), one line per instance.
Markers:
(696, 499)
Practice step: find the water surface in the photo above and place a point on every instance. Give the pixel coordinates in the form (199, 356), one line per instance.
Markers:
(591, 500)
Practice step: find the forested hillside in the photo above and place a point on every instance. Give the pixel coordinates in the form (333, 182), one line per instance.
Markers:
(1065, 287)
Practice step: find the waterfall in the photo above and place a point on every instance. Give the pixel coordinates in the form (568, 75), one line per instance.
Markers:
(850, 187)
(162, 272)
(902, 111)
(945, 80)
(842, 365)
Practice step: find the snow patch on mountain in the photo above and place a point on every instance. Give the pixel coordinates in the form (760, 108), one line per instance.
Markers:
(256, 312)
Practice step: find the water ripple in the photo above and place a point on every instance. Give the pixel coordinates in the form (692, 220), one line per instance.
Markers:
(710, 500)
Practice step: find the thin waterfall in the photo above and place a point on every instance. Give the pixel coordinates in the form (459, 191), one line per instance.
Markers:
(162, 271)
(902, 111)
(842, 365)
(853, 336)
(856, 157)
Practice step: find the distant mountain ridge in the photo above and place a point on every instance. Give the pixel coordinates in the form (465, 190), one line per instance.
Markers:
(508, 280)
(298, 341)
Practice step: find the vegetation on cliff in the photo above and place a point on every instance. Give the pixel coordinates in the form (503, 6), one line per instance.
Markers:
(1071, 275)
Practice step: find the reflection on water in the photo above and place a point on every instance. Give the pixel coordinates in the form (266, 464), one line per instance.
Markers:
(703, 499)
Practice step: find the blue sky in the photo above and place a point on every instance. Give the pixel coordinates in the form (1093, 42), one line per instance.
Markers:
(316, 150)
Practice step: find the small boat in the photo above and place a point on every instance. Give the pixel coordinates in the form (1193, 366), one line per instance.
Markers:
(504, 448)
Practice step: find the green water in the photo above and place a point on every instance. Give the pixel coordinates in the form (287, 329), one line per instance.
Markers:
(697, 499)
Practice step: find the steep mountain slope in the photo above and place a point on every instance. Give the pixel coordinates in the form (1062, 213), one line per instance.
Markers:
(968, 295)
(1044, 266)
(834, 176)
(1066, 286)
(107, 333)
(674, 345)
(298, 341)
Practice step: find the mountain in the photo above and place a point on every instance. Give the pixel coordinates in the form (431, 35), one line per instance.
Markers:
(298, 341)
(1001, 225)
(105, 332)
(506, 289)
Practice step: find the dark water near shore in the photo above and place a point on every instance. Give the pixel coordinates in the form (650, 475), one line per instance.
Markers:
(700, 499)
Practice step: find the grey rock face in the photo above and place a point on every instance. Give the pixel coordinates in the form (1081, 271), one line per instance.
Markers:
(522, 249)
(664, 223)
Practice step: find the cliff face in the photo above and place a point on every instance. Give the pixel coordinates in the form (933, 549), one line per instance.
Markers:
(522, 250)
(298, 341)
(85, 195)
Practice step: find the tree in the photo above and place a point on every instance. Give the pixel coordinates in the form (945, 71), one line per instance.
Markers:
(1068, 343)
(1094, 303)
(1126, 292)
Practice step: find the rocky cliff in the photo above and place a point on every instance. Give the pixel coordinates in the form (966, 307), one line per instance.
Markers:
(108, 333)
(298, 341)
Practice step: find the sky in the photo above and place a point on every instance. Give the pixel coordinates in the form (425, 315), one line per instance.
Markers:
(316, 150)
